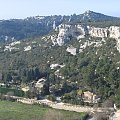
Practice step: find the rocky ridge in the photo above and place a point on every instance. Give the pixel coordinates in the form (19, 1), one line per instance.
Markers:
(66, 32)
(42, 25)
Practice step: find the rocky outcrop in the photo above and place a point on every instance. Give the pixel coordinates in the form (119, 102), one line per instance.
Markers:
(63, 36)
(111, 32)
(71, 50)
(114, 32)
(118, 44)
(66, 32)
(98, 32)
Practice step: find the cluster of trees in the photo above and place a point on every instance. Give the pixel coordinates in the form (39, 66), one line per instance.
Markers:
(23, 75)
(20, 29)
(32, 74)
(104, 23)
(98, 73)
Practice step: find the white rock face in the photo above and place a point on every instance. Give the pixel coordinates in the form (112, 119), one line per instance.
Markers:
(98, 32)
(15, 43)
(82, 31)
(114, 32)
(68, 31)
(80, 36)
(87, 43)
(28, 48)
(118, 44)
(111, 32)
(64, 33)
(33, 42)
(10, 48)
(54, 41)
(71, 50)
(53, 66)
(61, 37)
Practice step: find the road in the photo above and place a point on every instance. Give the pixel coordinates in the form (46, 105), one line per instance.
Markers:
(63, 106)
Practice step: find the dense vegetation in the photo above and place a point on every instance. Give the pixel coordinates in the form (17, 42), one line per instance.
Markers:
(20, 29)
(95, 69)
(15, 92)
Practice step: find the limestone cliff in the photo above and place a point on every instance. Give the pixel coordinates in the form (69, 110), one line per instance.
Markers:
(66, 32)
(98, 32)
(111, 32)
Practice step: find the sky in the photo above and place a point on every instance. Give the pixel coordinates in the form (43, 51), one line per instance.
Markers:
(10, 9)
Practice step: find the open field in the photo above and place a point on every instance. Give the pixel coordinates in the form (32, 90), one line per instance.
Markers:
(18, 111)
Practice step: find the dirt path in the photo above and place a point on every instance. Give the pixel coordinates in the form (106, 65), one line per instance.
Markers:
(116, 116)
(63, 106)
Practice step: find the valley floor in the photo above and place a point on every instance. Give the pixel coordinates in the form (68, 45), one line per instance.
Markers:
(18, 111)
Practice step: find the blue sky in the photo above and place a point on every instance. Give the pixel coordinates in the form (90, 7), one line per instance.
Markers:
(24, 8)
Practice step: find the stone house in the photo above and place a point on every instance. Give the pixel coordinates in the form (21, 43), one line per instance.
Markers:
(90, 97)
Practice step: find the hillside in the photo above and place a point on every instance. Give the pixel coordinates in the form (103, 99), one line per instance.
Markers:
(72, 58)
(17, 29)
(86, 64)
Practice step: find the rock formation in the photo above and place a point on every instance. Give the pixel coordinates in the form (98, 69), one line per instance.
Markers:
(66, 32)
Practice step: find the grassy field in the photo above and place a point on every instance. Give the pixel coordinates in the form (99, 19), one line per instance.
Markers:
(18, 111)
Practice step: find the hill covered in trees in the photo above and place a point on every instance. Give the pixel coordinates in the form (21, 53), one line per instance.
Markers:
(96, 68)
(82, 63)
